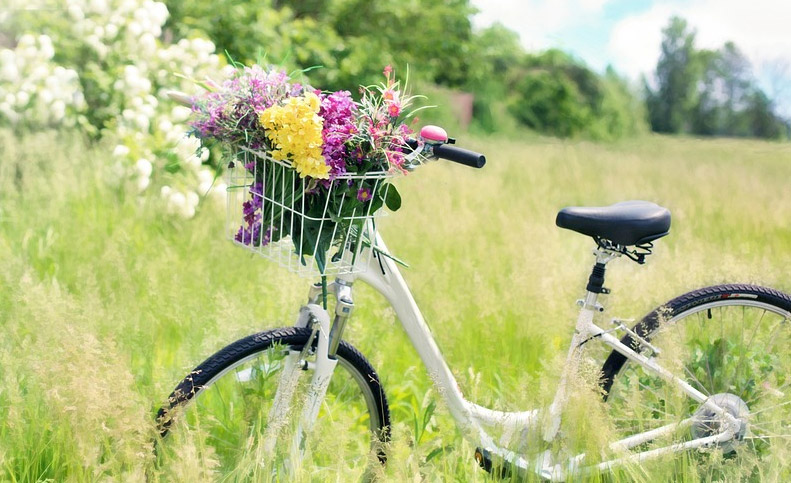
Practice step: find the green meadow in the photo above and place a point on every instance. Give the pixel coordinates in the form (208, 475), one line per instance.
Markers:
(106, 303)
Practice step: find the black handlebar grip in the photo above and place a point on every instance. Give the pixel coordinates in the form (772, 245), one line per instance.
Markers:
(460, 155)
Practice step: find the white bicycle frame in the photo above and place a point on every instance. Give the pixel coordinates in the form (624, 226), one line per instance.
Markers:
(384, 276)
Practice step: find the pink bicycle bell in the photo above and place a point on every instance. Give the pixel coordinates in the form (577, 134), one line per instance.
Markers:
(434, 135)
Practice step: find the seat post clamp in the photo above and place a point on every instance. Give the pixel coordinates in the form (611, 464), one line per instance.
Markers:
(596, 279)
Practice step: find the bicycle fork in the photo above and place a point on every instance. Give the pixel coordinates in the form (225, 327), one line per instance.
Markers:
(326, 337)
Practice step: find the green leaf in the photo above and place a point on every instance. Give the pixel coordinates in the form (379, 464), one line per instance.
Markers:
(391, 257)
(392, 198)
(438, 451)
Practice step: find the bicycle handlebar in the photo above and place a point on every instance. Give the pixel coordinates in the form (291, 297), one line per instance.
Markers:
(452, 153)
(459, 155)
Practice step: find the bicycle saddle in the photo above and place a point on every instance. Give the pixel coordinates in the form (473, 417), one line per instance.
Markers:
(626, 223)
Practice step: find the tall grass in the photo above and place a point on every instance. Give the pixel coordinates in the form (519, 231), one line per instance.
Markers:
(105, 304)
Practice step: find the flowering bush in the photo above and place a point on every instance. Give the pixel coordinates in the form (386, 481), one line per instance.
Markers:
(102, 67)
(34, 90)
(316, 150)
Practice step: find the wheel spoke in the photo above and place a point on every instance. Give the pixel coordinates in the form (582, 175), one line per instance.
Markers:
(230, 416)
(726, 347)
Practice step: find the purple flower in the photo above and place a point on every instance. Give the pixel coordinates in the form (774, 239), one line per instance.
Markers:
(250, 232)
(230, 115)
(252, 236)
(337, 110)
(363, 194)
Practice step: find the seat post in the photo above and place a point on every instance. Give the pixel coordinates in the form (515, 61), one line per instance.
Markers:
(596, 280)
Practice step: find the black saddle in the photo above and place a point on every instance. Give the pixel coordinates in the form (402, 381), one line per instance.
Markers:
(626, 223)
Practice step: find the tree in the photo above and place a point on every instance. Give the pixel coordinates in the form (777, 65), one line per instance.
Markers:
(677, 75)
(351, 40)
(724, 92)
(558, 95)
(707, 92)
(759, 113)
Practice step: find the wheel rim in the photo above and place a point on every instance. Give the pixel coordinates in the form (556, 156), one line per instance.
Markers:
(227, 420)
(733, 347)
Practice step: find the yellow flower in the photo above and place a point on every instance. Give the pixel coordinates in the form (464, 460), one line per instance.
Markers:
(295, 132)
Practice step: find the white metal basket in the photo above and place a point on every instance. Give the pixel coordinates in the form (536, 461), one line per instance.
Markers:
(289, 205)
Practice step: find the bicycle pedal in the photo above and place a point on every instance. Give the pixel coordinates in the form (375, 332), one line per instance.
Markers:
(493, 465)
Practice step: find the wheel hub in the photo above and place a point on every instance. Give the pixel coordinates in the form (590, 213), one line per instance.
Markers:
(706, 423)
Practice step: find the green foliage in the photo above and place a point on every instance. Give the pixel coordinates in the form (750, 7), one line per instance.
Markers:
(105, 66)
(707, 92)
(558, 95)
(677, 74)
(352, 40)
(498, 52)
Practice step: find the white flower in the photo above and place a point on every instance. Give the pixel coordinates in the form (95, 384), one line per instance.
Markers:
(58, 109)
(52, 83)
(9, 70)
(9, 113)
(176, 202)
(110, 31)
(148, 43)
(134, 29)
(120, 151)
(219, 191)
(76, 12)
(143, 167)
(164, 125)
(142, 183)
(26, 40)
(206, 181)
(142, 122)
(175, 135)
(45, 46)
(98, 6)
(180, 113)
(22, 98)
(45, 96)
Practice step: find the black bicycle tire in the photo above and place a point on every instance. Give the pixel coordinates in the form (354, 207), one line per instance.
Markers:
(195, 381)
(690, 300)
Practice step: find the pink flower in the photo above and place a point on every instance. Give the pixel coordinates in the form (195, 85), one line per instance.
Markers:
(394, 109)
(388, 70)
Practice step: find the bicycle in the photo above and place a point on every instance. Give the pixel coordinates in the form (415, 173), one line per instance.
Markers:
(704, 371)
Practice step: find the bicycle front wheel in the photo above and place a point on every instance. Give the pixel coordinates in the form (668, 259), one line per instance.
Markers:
(731, 343)
(222, 410)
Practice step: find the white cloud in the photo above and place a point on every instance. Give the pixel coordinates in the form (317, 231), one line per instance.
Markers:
(758, 27)
(538, 22)
(635, 41)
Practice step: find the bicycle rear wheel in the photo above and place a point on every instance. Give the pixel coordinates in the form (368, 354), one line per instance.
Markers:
(732, 343)
(222, 409)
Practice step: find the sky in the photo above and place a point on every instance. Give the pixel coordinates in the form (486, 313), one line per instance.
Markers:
(627, 33)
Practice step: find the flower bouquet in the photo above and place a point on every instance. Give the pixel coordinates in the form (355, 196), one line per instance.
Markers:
(308, 170)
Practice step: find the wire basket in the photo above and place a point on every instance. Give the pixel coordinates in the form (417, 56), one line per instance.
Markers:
(310, 227)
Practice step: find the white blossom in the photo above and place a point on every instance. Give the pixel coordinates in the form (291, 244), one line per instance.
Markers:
(120, 151)
(143, 167)
(36, 91)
